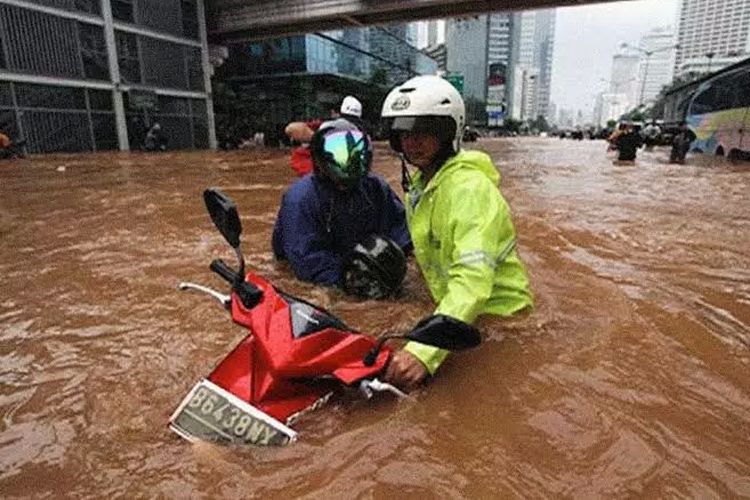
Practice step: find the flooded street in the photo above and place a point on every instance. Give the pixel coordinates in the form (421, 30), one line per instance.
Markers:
(630, 378)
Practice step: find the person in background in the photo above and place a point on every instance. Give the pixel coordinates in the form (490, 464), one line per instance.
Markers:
(460, 224)
(155, 139)
(651, 135)
(302, 133)
(681, 144)
(616, 133)
(324, 215)
(627, 144)
(9, 149)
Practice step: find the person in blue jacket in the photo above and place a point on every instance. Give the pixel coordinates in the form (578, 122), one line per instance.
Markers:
(325, 214)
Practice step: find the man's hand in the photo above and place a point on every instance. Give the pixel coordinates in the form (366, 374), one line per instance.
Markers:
(405, 370)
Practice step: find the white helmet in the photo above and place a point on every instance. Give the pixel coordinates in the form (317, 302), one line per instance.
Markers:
(425, 103)
(351, 106)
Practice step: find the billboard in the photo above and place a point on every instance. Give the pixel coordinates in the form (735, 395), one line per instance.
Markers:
(496, 75)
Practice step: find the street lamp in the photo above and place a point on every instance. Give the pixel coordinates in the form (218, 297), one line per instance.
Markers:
(648, 54)
(710, 56)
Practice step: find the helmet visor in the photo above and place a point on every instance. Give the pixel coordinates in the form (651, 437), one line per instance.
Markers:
(346, 154)
(442, 127)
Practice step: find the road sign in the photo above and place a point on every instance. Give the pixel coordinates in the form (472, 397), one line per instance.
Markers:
(457, 80)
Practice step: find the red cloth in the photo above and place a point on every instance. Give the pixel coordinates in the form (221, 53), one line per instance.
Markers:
(301, 160)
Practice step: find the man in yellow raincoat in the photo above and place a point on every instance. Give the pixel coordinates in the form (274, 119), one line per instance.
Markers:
(461, 226)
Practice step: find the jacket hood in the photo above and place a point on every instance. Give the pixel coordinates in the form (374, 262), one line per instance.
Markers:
(467, 160)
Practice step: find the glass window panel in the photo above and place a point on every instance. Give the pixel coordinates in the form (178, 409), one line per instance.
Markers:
(190, 19)
(6, 99)
(29, 95)
(54, 131)
(160, 15)
(174, 105)
(105, 131)
(122, 10)
(198, 107)
(8, 124)
(88, 6)
(177, 130)
(137, 129)
(200, 132)
(163, 63)
(741, 84)
(100, 100)
(127, 57)
(3, 64)
(195, 68)
(93, 51)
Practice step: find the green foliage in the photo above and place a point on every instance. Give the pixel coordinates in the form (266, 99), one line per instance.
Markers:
(511, 125)
(540, 124)
(379, 76)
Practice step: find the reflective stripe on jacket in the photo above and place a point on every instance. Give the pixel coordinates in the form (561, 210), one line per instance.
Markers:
(464, 242)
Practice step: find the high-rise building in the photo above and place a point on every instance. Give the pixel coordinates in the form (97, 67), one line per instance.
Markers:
(499, 39)
(439, 53)
(711, 34)
(656, 67)
(433, 27)
(90, 75)
(624, 78)
(610, 106)
(532, 46)
(466, 43)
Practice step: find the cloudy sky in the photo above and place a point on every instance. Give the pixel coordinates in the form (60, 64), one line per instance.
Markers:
(587, 37)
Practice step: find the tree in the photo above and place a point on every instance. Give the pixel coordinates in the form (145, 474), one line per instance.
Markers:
(379, 76)
(540, 124)
(511, 125)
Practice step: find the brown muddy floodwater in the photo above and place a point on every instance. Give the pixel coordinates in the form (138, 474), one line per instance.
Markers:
(631, 377)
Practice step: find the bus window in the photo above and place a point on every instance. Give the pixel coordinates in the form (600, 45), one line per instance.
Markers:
(704, 101)
(741, 84)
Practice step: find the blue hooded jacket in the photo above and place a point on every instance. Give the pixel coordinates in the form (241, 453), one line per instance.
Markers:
(318, 224)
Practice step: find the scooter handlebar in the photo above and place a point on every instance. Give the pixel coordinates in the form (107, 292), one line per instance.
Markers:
(222, 269)
(248, 293)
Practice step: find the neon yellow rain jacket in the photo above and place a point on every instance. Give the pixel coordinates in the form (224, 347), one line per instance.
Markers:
(464, 242)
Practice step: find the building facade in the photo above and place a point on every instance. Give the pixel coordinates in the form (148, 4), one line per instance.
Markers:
(91, 75)
(711, 33)
(304, 77)
(610, 106)
(439, 53)
(656, 66)
(532, 48)
(466, 43)
(624, 77)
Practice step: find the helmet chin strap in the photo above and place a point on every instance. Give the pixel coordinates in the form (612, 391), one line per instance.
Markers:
(405, 177)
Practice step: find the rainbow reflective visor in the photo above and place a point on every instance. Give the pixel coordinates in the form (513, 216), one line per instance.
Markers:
(349, 150)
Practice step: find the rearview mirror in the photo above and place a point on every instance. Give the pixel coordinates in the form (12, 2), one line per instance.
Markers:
(223, 213)
(446, 333)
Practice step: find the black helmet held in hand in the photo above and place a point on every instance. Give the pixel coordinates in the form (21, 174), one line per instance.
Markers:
(374, 268)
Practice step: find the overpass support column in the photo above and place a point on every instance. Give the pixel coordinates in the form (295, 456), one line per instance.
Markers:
(207, 72)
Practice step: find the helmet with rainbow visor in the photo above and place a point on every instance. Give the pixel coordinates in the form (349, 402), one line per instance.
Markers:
(341, 153)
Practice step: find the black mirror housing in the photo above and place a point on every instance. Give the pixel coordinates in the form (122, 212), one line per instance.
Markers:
(223, 213)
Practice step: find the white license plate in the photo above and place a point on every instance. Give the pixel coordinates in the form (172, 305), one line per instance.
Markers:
(209, 413)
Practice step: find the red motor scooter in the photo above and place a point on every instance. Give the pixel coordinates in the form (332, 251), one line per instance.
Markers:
(293, 359)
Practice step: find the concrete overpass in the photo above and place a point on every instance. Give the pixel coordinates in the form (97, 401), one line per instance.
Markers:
(242, 20)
